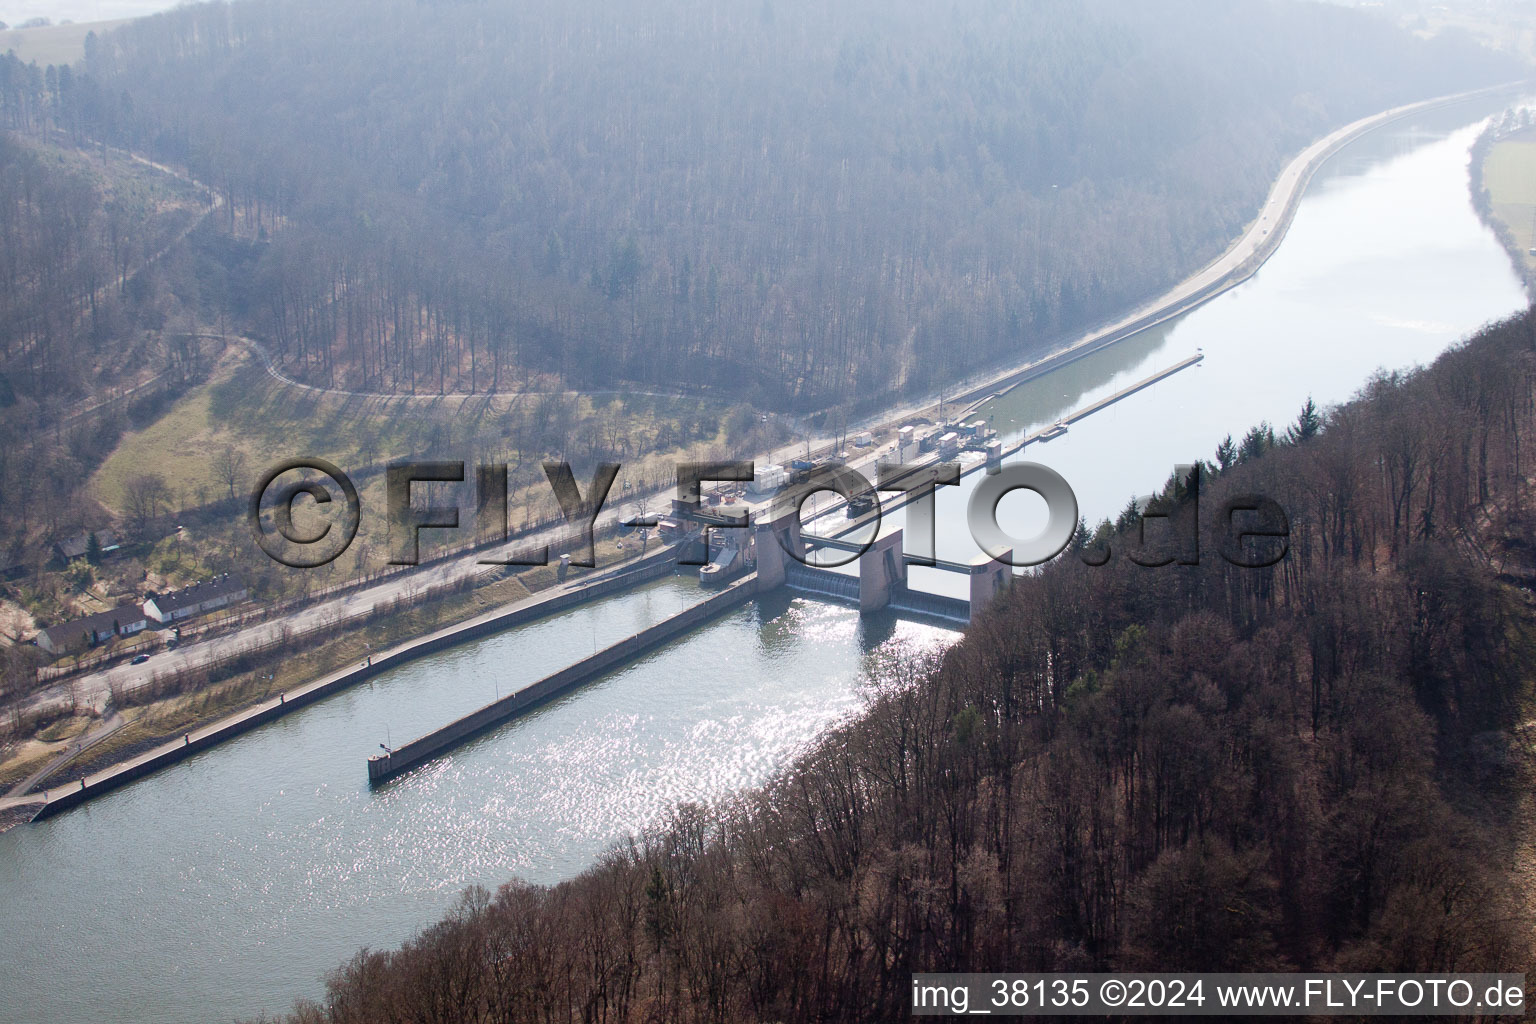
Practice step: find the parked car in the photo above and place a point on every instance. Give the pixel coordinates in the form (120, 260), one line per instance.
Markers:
(141, 659)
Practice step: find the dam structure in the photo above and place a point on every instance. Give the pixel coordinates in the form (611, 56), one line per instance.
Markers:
(770, 564)
(757, 558)
(756, 553)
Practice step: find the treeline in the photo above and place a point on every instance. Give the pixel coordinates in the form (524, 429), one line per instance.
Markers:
(1199, 767)
(72, 240)
(55, 257)
(1482, 200)
(34, 99)
(93, 303)
(794, 203)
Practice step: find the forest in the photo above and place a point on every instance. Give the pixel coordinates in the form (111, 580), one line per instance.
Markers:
(713, 210)
(87, 318)
(1314, 765)
(791, 204)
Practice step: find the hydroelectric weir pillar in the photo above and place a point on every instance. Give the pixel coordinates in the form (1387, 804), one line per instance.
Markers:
(773, 541)
(882, 570)
(989, 579)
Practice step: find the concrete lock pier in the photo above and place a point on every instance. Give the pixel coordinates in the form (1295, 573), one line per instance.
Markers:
(880, 584)
(382, 767)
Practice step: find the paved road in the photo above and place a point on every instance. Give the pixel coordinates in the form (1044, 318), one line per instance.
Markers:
(1256, 243)
(102, 730)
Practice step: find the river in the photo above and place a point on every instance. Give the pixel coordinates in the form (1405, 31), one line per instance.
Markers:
(226, 885)
(1385, 265)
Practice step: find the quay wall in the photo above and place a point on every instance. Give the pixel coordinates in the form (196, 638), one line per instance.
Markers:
(612, 582)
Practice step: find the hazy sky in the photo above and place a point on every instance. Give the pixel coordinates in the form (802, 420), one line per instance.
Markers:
(14, 12)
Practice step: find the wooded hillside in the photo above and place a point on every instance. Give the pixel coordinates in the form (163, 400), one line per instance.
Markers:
(1312, 766)
(795, 203)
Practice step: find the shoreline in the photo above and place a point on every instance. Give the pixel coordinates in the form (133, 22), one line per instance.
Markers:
(1240, 261)
(603, 583)
(1482, 202)
(1242, 258)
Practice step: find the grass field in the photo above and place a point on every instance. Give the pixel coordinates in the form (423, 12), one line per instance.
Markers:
(1509, 175)
(242, 408)
(53, 44)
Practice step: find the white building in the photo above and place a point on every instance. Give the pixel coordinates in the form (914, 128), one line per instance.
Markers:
(197, 599)
(769, 480)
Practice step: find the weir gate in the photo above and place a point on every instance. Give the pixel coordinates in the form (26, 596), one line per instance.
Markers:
(881, 580)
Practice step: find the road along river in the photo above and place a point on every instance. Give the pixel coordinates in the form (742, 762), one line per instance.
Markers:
(226, 885)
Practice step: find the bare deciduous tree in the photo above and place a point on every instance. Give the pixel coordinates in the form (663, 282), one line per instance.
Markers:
(143, 498)
(229, 467)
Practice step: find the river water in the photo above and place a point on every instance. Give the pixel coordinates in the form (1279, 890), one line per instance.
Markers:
(1385, 265)
(225, 886)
